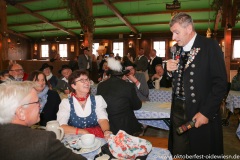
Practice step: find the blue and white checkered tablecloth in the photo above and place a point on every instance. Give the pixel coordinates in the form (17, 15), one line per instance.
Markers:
(155, 95)
(238, 131)
(160, 95)
(153, 113)
(233, 100)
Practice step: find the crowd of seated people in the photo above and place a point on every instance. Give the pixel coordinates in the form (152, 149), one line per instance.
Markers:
(80, 104)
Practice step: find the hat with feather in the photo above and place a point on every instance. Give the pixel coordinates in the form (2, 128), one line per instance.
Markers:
(115, 67)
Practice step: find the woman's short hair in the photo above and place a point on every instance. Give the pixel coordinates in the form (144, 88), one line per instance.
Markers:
(183, 19)
(13, 94)
(72, 78)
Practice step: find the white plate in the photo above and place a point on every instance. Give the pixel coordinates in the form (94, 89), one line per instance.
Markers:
(96, 145)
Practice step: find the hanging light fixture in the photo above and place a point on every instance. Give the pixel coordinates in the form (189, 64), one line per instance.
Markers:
(229, 27)
(131, 34)
(68, 37)
(57, 40)
(81, 33)
(81, 38)
(139, 36)
(43, 39)
(18, 42)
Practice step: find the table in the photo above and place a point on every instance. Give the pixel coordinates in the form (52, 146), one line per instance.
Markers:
(155, 114)
(160, 95)
(155, 154)
(238, 131)
(155, 95)
(233, 101)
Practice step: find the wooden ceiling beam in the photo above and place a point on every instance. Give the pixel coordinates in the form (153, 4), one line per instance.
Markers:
(131, 14)
(18, 34)
(28, 11)
(39, 11)
(116, 1)
(112, 26)
(120, 16)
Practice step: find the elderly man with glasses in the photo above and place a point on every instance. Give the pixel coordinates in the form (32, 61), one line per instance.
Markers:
(19, 106)
(16, 72)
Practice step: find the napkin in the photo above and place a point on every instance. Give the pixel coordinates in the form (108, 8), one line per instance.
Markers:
(125, 146)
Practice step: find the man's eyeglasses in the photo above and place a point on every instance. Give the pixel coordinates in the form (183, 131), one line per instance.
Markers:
(17, 70)
(31, 103)
(82, 80)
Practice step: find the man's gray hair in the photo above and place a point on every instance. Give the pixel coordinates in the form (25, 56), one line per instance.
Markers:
(12, 95)
(183, 19)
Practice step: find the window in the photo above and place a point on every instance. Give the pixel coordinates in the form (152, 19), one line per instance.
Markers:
(118, 48)
(159, 46)
(236, 49)
(95, 48)
(63, 50)
(44, 50)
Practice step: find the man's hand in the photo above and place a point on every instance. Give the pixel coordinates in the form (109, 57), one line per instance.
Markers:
(172, 65)
(200, 120)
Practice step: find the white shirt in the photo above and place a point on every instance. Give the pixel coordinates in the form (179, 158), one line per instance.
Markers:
(152, 58)
(65, 79)
(188, 46)
(140, 57)
(88, 65)
(64, 109)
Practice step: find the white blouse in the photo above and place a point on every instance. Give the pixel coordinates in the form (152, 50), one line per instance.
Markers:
(64, 109)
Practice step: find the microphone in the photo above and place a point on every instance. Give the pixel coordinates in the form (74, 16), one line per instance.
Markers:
(183, 128)
(173, 50)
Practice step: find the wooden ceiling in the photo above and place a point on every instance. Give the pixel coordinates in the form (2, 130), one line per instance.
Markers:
(34, 19)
